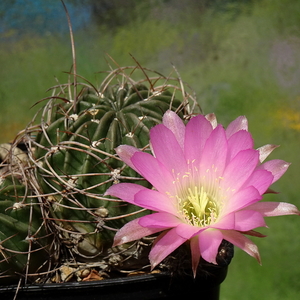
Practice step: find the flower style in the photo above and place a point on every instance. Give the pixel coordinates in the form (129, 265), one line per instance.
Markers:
(207, 183)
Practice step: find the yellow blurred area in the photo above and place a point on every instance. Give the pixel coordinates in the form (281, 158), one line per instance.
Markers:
(288, 118)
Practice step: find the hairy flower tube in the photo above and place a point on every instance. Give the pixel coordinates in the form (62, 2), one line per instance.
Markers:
(207, 186)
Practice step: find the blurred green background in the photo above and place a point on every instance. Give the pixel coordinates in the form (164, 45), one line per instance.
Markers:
(240, 57)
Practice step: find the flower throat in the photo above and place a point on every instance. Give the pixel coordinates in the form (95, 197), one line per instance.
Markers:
(198, 207)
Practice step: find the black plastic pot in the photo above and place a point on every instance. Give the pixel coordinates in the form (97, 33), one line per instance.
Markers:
(141, 287)
(205, 286)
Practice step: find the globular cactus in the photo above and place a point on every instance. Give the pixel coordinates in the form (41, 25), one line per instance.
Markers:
(75, 158)
(23, 238)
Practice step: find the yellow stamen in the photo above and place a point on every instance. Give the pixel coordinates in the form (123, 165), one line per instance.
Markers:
(199, 200)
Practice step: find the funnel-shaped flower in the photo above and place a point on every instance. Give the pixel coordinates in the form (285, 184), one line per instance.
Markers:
(207, 183)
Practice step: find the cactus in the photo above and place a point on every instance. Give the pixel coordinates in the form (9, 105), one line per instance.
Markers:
(23, 238)
(75, 159)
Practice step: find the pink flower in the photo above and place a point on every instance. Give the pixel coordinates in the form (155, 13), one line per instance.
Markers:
(207, 184)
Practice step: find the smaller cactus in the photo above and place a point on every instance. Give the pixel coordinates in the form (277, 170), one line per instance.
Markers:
(23, 240)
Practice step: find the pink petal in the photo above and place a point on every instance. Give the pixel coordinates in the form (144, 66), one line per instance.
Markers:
(209, 242)
(225, 222)
(125, 152)
(167, 149)
(261, 180)
(271, 209)
(197, 132)
(248, 219)
(159, 220)
(242, 242)
(214, 154)
(265, 151)
(239, 169)
(172, 121)
(195, 252)
(124, 191)
(276, 166)
(241, 140)
(241, 123)
(242, 199)
(153, 171)
(132, 231)
(187, 231)
(156, 201)
(165, 244)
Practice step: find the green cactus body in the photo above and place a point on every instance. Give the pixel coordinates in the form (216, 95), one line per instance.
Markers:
(23, 239)
(76, 160)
